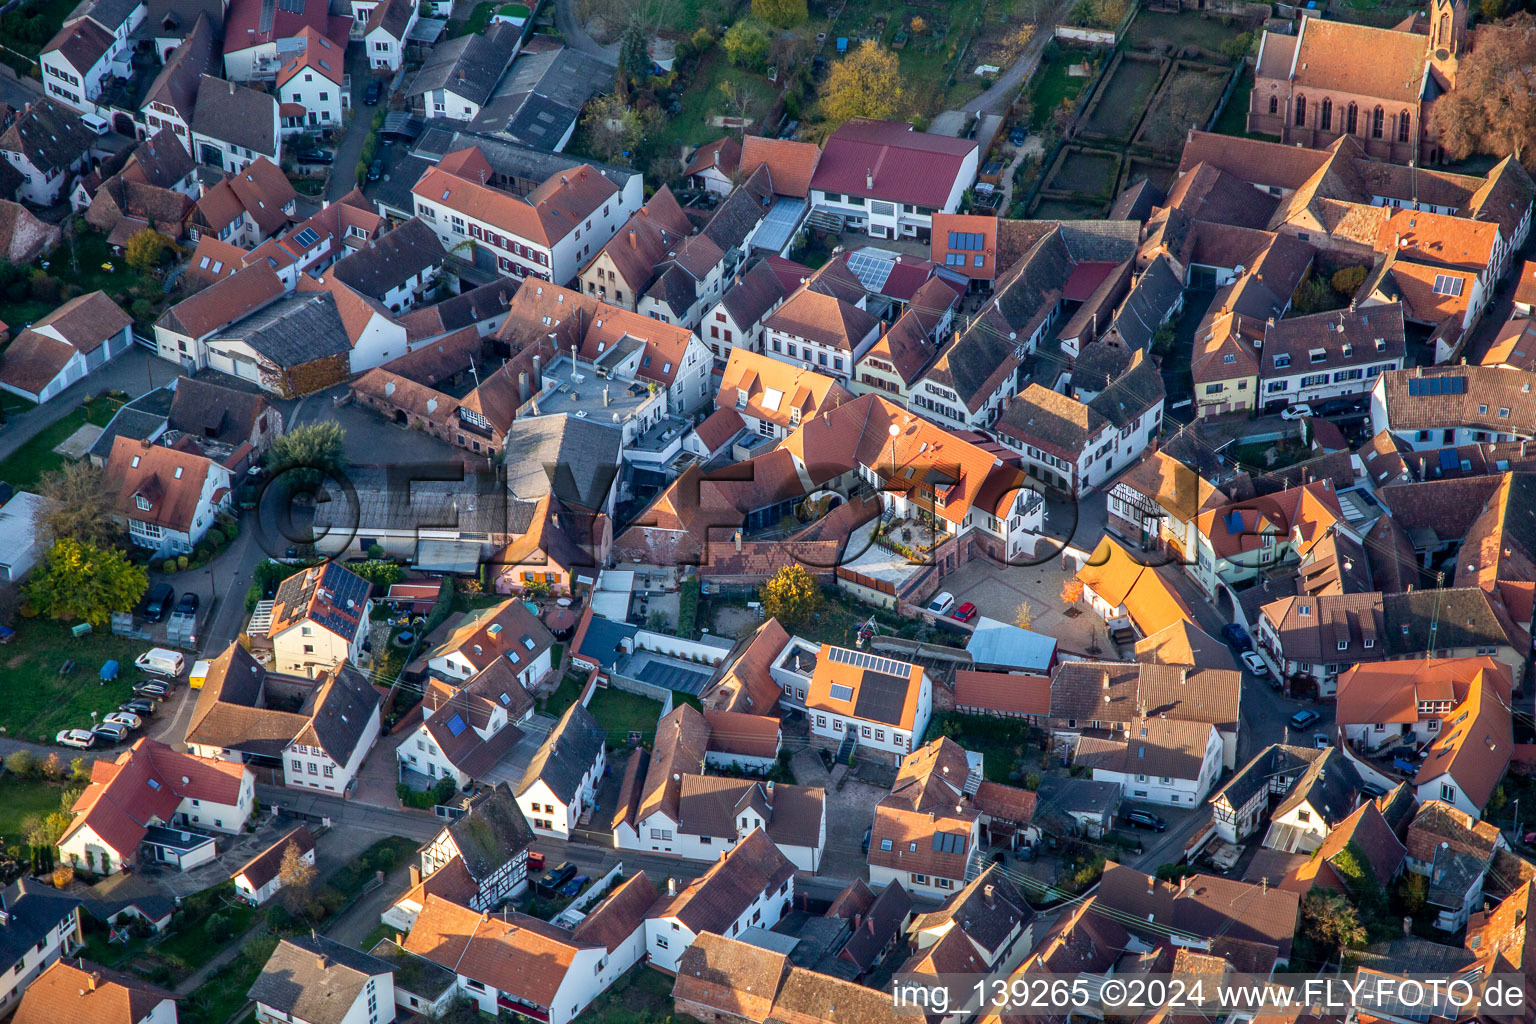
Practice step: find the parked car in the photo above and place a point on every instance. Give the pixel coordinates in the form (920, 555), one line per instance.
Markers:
(141, 706)
(966, 612)
(81, 738)
(550, 882)
(148, 688)
(941, 604)
(1302, 719)
(160, 661)
(573, 887)
(1147, 820)
(188, 603)
(110, 732)
(376, 169)
(1255, 664)
(126, 719)
(157, 602)
(314, 156)
(1237, 637)
(867, 833)
(372, 93)
(1296, 412)
(1321, 740)
(1017, 134)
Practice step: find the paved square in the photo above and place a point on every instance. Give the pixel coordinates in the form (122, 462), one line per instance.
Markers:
(77, 444)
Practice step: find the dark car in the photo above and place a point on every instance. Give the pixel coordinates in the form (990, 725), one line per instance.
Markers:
(1146, 820)
(314, 156)
(109, 733)
(550, 882)
(573, 887)
(372, 93)
(188, 603)
(149, 688)
(157, 602)
(376, 170)
(867, 833)
(1017, 134)
(1237, 636)
(1302, 719)
(140, 706)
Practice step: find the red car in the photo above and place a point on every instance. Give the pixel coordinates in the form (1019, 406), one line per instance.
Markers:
(966, 612)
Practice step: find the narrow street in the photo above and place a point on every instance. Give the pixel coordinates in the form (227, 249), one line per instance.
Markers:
(998, 98)
(349, 147)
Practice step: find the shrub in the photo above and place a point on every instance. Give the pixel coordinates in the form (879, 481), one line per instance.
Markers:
(202, 553)
(218, 927)
(181, 562)
(23, 763)
(168, 566)
(1348, 279)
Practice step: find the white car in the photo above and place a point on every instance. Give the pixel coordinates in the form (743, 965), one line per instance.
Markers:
(1321, 740)
(942, 604)
(82, 738)
(1296, 412)
(1255, 664)
(126, 719)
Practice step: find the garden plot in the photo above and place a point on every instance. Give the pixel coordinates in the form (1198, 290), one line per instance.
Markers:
(1187, 99)
(1083, 174)
(1117, 107)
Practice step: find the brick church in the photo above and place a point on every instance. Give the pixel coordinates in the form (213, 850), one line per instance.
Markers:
(1333, 78)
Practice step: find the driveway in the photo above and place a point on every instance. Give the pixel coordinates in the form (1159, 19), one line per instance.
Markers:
(349, 148)
(135, 372)
(1000, 95)
(1000, 591)
(371, 439)
(576, 36)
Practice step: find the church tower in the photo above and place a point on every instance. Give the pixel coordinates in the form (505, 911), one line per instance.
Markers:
(1447, 35)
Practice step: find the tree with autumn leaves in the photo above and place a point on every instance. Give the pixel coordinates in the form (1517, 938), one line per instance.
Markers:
(866, 83)
(82, 581)
(791, 596)
(1492, 110)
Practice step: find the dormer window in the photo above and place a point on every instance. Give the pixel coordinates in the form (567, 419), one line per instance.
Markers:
(141, 501)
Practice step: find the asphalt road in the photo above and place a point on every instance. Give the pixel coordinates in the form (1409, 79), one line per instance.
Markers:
(1000, 95)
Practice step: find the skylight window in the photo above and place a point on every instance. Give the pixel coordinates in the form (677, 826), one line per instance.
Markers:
(771, 399)
(840, 692)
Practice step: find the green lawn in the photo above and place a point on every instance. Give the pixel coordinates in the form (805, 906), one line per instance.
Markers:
(703, 100)
(1002, 742)
(36, 702)
(221, 996)
(1234, 116)
(566, 694)
(620, 712)
(385, 855)
(1052, 84)
(37, 457)
(20, 799)
(1153, 30)
(479, 20)
(189, 948)
(640, 997)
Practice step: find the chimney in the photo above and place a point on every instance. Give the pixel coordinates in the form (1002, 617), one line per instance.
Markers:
(415, 873)
(987, 894)
(522, 385)
(90, 981)
(538, 363)
(738, 542)
(605, 396)
(869, 179)
(633, 244)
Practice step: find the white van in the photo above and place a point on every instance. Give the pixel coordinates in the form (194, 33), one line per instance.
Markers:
(96, 123)
(161, 662)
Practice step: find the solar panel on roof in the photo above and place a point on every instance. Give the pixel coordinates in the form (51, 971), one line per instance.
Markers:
(1234, 522)
(1420, 386)
(841, 692)
(1448, 460)
(871, 270)
(307, 237)
(888, 666)
(456, 725)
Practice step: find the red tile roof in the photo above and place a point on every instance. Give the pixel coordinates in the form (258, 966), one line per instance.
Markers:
(968, 223)
(790, 164)
(519, 955)
(170, 482)
(1008, 693)
(890, 160)
(148, 783)
(545, 215)
(81, 992)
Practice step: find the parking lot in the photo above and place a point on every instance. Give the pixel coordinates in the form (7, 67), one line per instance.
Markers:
(1000, 591)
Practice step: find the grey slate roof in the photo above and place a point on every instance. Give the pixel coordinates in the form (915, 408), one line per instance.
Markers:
(315, 979)
(391, 260)
(749, 298)
(141, 419)
(468, 66)
(541, 97)
(414, 973)
(986, 910)
(295, 329)
(33, 910)
(479, 503)
(50, 136)
(209, 410)
(109, 14)
(443, 136)
(741, 212)
(1155, 292)
(573, 458)
(492, 833)
(567, 754)
(235, 114)
(1273, 762)
(338, 722)
(1130, 395)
